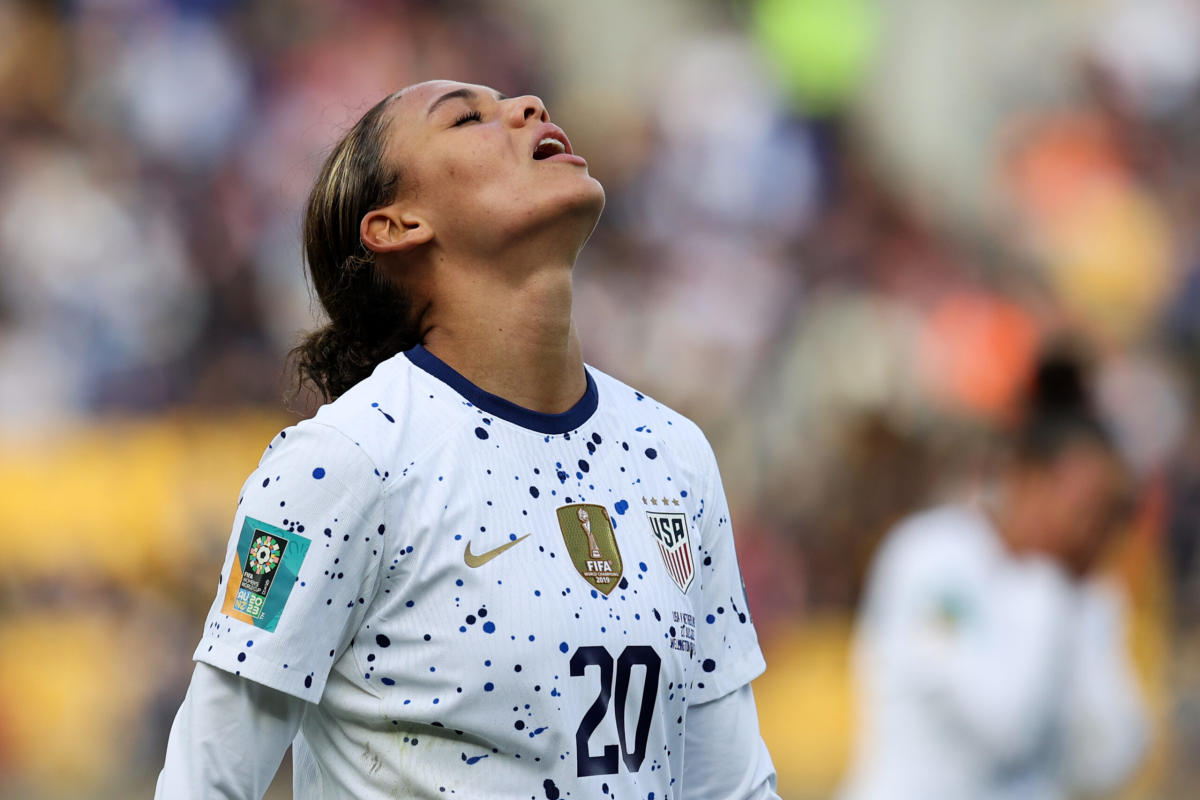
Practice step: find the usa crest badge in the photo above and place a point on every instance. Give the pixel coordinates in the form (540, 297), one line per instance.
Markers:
(588, 533)
(670, 529)
(263, 573)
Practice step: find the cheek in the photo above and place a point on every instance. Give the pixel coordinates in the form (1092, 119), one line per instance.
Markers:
(451, 161)
(472, 178)
(1087, 501)
(480, 156)
(467, 164)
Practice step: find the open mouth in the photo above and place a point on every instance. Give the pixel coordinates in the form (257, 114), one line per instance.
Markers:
(553, 145)
(548, 146)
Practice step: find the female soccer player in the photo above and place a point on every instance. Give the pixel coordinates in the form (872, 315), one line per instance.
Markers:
(482, 569)
(990, 665)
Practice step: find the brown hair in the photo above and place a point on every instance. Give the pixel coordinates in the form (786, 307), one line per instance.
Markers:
(1059, 411)
(370, 319)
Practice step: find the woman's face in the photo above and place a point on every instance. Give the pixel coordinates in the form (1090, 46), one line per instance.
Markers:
(1081, 496)
(484, 170)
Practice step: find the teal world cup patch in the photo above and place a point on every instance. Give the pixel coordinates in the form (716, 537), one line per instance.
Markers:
(265, 571)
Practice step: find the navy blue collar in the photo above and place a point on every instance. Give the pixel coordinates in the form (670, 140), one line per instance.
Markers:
(533, 420)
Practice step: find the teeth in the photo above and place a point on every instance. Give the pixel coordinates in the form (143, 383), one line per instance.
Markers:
(555, 143)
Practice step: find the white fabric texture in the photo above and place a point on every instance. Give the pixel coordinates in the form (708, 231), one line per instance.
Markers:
(507, 677)
(207, 753)
(724, 756)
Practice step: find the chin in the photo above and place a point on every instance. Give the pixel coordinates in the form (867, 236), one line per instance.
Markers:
(561, 214)
(593, 201)
(589, 212)
(576, 211)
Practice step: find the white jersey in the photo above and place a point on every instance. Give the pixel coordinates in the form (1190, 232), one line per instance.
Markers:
(982, 676)
(484, 601)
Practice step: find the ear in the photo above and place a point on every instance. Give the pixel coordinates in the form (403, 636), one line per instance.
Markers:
(392, 230)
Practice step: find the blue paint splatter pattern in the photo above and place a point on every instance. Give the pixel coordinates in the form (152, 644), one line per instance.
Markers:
(440, 584)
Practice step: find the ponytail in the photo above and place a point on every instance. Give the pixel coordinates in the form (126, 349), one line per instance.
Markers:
(1059, 411)
(369, 318)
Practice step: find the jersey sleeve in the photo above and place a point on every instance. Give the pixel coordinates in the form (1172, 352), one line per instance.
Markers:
(228, 738)
(727, 644)
(301, 565)
(725, 757)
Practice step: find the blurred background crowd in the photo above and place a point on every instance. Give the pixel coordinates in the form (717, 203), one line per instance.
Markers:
(838, 234)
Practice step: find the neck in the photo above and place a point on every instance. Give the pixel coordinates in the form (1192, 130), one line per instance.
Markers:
(1017, 522)
(507, 330)
(1011, 527)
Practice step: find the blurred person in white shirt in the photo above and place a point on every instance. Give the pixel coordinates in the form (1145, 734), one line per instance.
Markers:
(989, 657)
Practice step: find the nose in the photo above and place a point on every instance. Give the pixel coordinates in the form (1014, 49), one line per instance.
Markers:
(526, 108)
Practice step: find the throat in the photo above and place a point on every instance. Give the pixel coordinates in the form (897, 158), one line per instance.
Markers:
(516, 342)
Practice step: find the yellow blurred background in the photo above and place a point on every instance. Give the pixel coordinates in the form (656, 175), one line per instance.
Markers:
(97, 652)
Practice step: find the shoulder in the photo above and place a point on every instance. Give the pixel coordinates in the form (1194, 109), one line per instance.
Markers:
(943, 525)
(314, 450)
(936, 561)
(650, 416)
(387, 418)
(949, 539)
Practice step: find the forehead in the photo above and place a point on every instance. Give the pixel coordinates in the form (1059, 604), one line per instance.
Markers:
(409, 111)
(415, 100)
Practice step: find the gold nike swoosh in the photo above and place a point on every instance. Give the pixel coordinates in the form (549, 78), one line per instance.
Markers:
(481, 559)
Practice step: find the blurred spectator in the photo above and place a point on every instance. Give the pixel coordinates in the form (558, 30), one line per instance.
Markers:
(990, 663)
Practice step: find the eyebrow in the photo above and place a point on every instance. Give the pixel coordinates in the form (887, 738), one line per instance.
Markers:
(464, 93)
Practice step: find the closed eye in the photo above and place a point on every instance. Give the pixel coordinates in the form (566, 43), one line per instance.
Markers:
(469, 116)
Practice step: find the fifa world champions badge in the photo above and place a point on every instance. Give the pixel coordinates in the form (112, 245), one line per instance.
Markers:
(263, 572)
(588, 533)
(670, 529)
